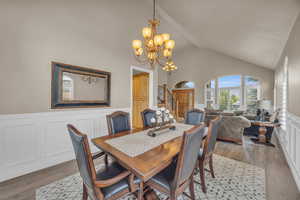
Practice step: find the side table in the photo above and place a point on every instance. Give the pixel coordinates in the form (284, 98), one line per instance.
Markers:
(261, 139)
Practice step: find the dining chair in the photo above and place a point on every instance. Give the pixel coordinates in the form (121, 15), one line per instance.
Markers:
(206, 153)
(194, 116)
(110, 182)
(117, 122)
(174, 179)
(147, 115)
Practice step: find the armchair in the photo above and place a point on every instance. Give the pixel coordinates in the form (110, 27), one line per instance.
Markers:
(179, 175)
(108, 183)
(232, 128)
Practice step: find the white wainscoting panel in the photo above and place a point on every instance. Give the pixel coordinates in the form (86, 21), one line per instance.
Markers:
(30, 142)
(290, 143)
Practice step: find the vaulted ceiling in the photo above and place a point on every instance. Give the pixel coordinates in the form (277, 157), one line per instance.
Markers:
(254, 31)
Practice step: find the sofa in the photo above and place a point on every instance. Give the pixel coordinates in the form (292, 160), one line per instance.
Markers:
(232, 125)
(232, 128)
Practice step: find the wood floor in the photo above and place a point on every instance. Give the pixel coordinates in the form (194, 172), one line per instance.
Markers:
(279, 181)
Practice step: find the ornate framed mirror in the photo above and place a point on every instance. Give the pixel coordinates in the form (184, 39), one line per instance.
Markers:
(75, 86)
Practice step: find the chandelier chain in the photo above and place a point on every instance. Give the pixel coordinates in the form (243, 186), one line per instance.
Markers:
(154, 8)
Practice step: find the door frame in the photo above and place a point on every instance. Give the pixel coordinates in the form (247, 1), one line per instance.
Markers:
(151, 86)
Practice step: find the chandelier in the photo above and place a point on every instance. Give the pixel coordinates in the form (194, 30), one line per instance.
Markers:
(155, 48)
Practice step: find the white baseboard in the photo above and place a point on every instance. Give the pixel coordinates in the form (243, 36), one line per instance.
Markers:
(30, 142)
(290, 142)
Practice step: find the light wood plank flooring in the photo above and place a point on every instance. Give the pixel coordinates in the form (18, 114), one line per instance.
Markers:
(279, 181)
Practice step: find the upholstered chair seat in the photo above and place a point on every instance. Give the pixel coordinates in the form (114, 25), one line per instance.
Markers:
(111, 171)
(165, 177)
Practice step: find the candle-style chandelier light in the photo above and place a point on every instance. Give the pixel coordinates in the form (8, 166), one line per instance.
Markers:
(155, 47)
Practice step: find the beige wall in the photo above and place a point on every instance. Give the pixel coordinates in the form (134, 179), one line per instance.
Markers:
(95, 34)
(162, 76)
(292, 51)
(202, 65)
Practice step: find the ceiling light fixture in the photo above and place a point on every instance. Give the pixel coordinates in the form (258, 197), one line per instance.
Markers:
(155, 48)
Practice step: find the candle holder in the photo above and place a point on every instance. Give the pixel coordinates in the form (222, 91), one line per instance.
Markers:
(163, 120)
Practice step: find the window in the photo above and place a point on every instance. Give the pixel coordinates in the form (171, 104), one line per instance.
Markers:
(185, 84)
(252, 92)
(233, 93)
(229, 92)
(210, 94)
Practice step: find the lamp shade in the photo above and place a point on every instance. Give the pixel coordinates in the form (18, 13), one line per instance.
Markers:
(136, 44)
(165, 36)
(170, 44)
(147, 32)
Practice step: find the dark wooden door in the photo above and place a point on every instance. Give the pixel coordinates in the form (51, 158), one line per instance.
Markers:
(185, 98)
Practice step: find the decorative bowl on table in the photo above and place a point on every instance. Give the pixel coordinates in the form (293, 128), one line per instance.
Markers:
(162, 120)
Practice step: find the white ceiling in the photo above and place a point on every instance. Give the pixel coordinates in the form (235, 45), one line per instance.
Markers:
(255, 31)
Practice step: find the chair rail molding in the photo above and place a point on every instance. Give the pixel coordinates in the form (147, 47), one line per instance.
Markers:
(289, 140)
(30, 142)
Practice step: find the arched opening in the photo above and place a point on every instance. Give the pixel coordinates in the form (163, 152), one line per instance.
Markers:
(185, 84)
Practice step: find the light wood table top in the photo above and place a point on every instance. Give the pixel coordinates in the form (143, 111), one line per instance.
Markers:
(145, 165)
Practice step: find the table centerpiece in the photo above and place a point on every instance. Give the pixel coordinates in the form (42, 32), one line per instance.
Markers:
(163, 120)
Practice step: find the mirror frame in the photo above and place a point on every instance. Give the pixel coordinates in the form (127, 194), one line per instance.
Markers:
(56, 86)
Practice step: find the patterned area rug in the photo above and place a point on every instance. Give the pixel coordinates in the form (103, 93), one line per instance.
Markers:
(234, 181)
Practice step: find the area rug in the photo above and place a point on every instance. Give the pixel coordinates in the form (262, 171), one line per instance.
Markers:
(234, 180)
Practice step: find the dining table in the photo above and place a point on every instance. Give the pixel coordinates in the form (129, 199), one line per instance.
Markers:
(144, 164)
(143, 155)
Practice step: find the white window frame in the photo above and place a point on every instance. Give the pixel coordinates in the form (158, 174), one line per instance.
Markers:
(243, 88)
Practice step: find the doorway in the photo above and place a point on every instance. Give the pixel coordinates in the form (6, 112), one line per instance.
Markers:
(185, 98)
(140, 95)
